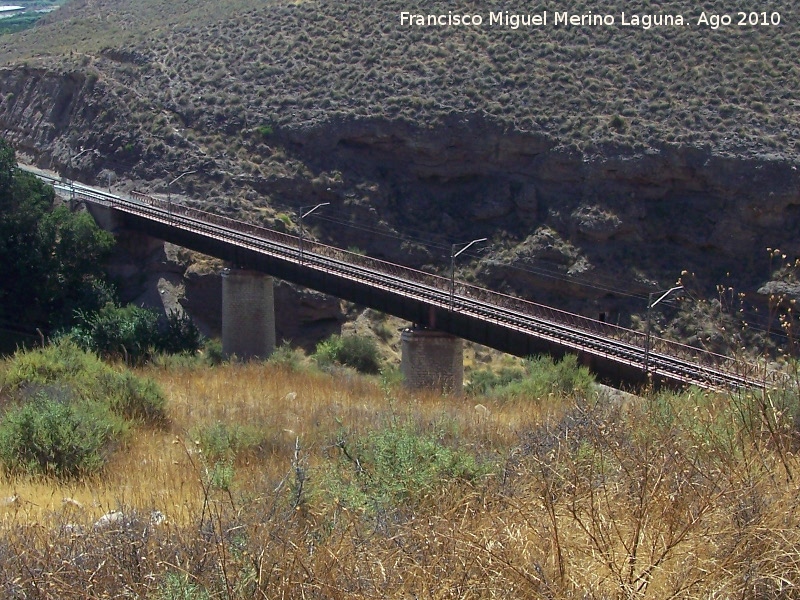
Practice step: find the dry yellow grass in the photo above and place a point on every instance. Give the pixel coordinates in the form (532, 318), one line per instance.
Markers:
(161, 468)
(659, 498)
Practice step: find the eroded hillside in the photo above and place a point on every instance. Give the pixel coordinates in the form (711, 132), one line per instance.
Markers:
(601, 161)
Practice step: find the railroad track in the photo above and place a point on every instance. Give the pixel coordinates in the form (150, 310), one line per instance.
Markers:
(665, 359)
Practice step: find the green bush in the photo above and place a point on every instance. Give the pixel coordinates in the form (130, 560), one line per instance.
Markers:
(539, 378)
(221, 445)
(179, 586)
(265, 131)
(219, 475)
(213, 352)
(326, 350)
(355, 351)
(288, 357)
(63, 439)
(134, 333)
(114, 331)
(285, 219)
(224, 442)
(397, 466)
(210, 355)
(619, 123)
(483, 382)
(695, 415)
(60, 363)
(68, 410)
(85, 376)
(135, 398)
(178, 334)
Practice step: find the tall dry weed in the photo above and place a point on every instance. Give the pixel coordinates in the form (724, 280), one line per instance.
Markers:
(663, 496)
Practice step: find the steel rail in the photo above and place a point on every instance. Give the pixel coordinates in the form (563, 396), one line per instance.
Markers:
(555, 333)
(669, 359)
(580, 342)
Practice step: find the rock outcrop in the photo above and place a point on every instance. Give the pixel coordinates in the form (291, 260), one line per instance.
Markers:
(618, 222)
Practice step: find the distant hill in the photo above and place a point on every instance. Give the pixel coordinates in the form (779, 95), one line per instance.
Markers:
(733, 88)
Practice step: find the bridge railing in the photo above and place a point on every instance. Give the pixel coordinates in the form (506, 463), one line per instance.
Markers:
(519, 306)
(463, 293)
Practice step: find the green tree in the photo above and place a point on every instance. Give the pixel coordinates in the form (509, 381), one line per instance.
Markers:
(50, 258)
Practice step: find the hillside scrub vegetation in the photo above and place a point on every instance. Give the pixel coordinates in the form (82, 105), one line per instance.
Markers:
(276, 479)
(257, 66)
(576, 145)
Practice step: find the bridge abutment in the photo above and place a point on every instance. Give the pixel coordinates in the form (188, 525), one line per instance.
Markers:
(432, 360)
(248, 314)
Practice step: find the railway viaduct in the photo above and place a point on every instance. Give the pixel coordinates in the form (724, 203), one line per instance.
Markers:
(443, 311)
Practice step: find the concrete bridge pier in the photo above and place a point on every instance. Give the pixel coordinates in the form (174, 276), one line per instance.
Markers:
(432, 360)
(248, 314)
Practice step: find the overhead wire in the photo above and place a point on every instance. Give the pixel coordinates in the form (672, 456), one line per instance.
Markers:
(444, 246)
(541, 271)
(429, 240)
(753, 320)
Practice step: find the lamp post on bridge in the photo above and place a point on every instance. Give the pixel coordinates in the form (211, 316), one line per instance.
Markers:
(650, 305)
(303, 215)
(72, 167)
(169, 191)
(453, 256)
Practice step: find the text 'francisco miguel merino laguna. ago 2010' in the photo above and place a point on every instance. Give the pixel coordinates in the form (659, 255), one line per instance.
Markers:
(565, 19)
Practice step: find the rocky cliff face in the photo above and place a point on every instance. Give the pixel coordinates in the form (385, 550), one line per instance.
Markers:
(80, 124)
(39, 106)
(577, 230)
(582, 231)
